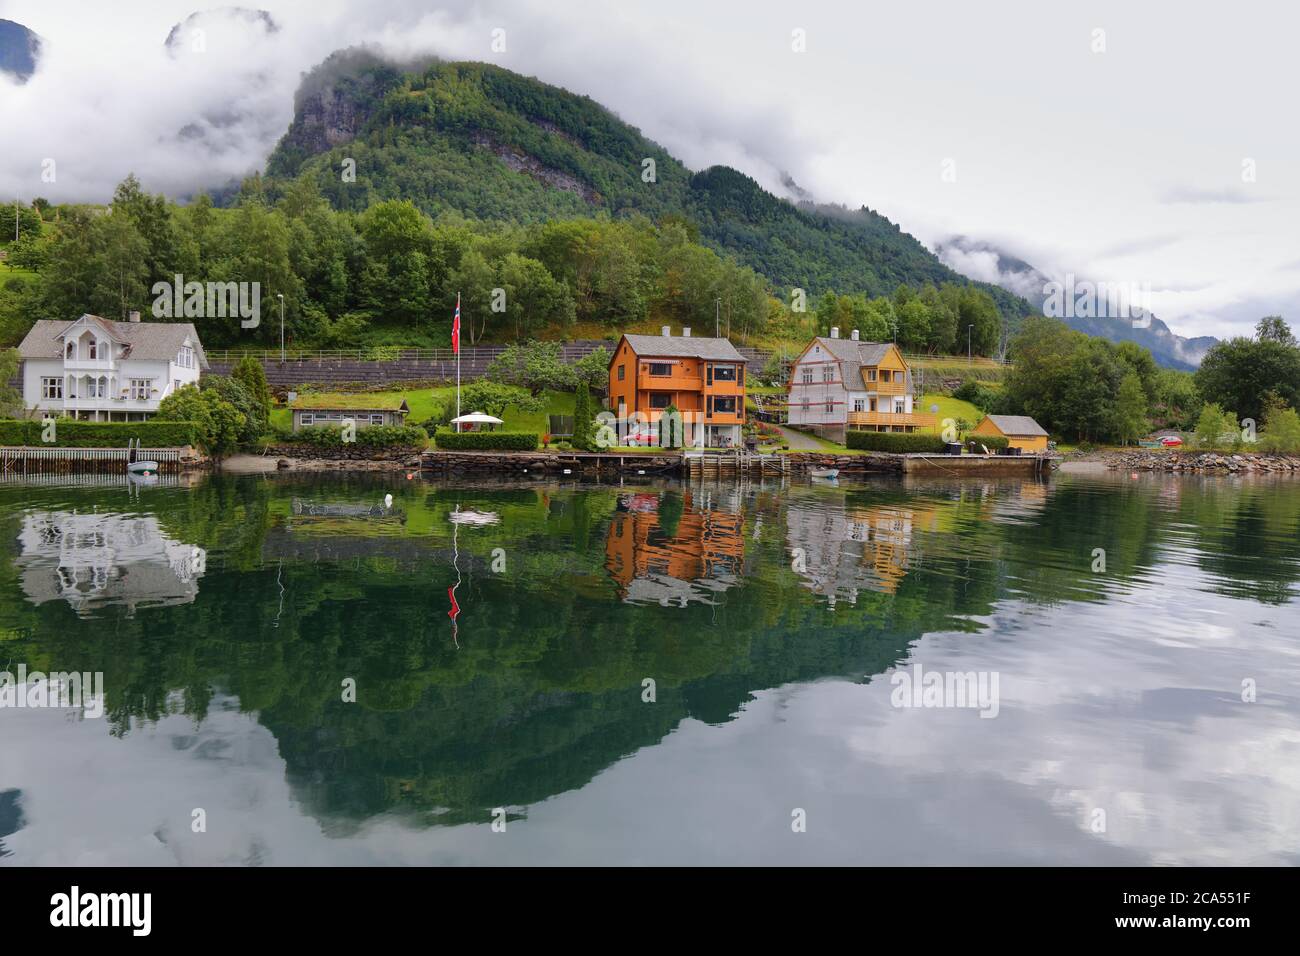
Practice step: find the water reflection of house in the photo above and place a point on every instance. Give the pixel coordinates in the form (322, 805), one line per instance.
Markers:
(841, 551)
(98, 560)
(653, 561)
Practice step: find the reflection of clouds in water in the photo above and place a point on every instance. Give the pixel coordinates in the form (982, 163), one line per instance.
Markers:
(1148, 728)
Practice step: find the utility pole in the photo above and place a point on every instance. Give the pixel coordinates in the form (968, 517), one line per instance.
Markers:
(968, 358)
(280, 296)
(717, 318)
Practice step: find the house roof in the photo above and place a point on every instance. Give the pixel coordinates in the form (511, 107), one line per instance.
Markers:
(683, 346)
(1018, 425)
(159, 341)
(854, 356)
(356, 402)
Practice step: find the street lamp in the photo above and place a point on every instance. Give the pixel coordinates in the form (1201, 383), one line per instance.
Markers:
(280, 296)
(968, 358)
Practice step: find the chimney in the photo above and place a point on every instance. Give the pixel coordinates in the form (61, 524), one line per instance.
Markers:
(854, 335)
(133, 316)
(686, 331)
(835, 331)
(666, 331)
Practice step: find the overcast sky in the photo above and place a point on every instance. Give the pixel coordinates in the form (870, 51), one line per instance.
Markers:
(1130, 164)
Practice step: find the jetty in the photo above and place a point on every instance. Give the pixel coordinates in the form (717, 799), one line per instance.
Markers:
(48, 459)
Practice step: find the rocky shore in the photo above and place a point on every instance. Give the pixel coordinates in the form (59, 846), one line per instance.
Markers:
(1204, 462)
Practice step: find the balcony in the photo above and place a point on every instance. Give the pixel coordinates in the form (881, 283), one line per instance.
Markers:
(873, 419)
(886, 388)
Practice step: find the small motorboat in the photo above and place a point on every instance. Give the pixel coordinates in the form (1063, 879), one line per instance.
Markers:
(135, 466)
(824, 473)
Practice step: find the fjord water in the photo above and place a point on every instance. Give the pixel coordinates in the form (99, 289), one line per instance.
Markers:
(1146, 707)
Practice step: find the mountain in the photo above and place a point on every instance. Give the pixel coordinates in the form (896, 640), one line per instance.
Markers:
(20, 50)
(493, 144)
(1022, 279)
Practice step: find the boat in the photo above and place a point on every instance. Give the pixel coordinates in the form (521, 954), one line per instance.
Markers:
(138, 467)
(824, 472)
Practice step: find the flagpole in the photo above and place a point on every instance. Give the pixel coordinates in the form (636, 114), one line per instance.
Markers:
(458, 360)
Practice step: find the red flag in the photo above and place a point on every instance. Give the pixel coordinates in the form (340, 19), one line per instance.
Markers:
(455, 328)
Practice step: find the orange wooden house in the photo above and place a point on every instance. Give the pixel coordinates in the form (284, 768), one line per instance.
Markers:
(703, 378)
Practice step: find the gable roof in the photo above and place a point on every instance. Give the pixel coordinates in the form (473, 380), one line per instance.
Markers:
(355, 402)
(853, 356)
(150, 341)
(1017, 425)
(683, 346)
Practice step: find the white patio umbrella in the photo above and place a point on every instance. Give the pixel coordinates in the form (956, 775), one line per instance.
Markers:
(476, 418)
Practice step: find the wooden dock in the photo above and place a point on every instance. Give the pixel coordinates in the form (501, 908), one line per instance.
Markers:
(49, 459)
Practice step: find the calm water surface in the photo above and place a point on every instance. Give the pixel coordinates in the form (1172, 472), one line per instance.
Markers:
(1147, 713)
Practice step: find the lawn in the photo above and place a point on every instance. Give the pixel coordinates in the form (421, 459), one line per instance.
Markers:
(949, 407)
(425, 403)
(8, 272)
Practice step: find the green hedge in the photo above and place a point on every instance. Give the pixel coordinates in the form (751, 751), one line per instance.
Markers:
(991, 442)
(70, 433)
(371, 436)
(896, 442)
(487, 441)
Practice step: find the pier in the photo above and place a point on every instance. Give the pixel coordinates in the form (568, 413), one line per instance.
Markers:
(44, 460)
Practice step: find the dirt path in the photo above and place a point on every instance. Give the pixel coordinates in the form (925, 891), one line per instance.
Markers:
(798, 441)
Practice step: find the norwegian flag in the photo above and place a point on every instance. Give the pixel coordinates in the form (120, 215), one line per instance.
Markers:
(455, 328)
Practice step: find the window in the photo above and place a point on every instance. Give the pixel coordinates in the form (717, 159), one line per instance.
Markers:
(725, 405)
(858, 404)
(828, 373)
(70, 352)
(97, 387)
(898, 406)
(620, 373)
(661, 368)
(871, 375)
(185, 357)
(376, 419)
(724, 373)
(807, 374)
(176, 385)
(94, 350)
(660, 399)
(52, 387)
(140, 389)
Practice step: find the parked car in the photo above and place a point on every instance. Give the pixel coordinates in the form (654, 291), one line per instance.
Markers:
(645, 435)
(1171, 441)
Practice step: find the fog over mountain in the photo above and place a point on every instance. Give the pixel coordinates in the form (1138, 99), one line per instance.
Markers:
(1181, 182)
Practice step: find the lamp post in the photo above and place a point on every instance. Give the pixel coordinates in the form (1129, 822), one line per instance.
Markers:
(968, 358)
(280, 296)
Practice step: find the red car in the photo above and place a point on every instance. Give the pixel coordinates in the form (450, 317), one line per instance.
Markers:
(1171, 441)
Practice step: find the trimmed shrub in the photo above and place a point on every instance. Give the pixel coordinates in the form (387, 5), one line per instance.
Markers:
(895, 442)
(371, 436)
(486, 441)
(70, 433)
(991, 442)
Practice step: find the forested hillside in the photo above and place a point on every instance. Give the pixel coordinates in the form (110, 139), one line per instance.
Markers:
(494, 145)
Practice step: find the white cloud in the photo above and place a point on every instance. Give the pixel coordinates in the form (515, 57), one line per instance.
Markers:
(1125, 166)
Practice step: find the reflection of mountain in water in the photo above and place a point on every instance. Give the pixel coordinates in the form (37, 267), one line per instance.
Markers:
(673, 549)
(98, 560)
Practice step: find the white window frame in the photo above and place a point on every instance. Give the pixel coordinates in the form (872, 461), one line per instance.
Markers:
(139, 389)
(306, 418)
(377, 419)
(50, 383)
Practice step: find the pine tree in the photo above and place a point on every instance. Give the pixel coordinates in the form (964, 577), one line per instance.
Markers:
(582, 417)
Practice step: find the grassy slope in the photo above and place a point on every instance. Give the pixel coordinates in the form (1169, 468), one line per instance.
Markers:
(425, 402)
